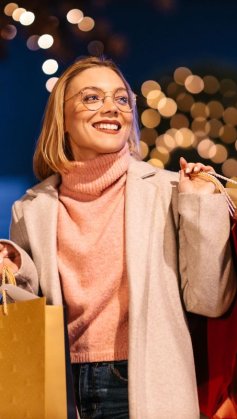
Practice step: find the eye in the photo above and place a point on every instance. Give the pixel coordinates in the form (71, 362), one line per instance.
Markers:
(91, 98)
(122, 100)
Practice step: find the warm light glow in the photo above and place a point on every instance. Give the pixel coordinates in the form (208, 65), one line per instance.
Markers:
(194, 84)
(181, 74)
(228, 134)
(184, 102)
(149, 85)
(86, 24)
(150, 118)
(216, 109)
(8, 32)
(27, 18)
(200, 127)
(9, 8)
(50, 66)
(214, 126)
(50, 83)
(75, 16)
(32, 42)
(174, 89)
(17, 13)
(229, 167)
(179, 121)
(228, 88)
(230, 115)
(232, 185)
(167, 107)
(203, 148)
(211, 85)
(144, 149)
(45, 41)
(148, 135)
(199, 109)
(167, 140)
(218, 153)
(156, 163)
(184, 138)
(161, 153)
(153, 98)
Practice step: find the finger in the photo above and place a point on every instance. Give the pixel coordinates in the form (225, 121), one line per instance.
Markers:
(208, 169)
(184, 165)
(189, 168)
(182, 175)
(4, 252)
(182, 162)
(198, 167)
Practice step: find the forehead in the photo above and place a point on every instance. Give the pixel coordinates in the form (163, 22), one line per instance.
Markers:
(101, 77)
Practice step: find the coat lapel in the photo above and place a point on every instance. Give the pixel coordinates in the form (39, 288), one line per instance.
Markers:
(140, 196)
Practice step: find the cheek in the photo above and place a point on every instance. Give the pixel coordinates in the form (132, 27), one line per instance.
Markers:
(72, 122)
(128, 121)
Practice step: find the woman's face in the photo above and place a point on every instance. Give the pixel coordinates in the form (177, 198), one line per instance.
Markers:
(92, 132)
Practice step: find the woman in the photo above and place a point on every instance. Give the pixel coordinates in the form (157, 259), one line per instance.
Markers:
(100, 233)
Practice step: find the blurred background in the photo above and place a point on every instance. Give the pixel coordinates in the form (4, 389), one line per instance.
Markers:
(179, 57)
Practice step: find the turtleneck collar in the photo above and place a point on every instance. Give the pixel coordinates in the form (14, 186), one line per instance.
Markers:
(92, 177)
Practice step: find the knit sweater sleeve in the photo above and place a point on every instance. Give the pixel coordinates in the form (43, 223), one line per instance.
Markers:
(208, 281)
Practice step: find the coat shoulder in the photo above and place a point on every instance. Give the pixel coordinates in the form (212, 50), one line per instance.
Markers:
(152, 174)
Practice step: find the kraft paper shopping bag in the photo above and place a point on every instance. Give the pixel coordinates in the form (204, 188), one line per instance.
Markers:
(32, 360)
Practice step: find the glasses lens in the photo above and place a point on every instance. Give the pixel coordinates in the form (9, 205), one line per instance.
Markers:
(92, 98)
(122, 100)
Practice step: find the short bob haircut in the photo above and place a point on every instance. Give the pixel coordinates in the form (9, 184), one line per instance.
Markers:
(53, 153)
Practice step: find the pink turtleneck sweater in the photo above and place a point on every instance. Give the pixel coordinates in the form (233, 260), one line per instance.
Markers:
(91, 257)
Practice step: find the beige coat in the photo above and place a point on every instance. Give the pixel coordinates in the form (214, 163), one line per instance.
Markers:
(177, 254)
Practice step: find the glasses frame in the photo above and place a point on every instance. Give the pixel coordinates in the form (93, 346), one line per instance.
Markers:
(131, 96)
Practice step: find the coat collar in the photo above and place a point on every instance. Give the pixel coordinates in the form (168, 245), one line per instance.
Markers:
(48, 185)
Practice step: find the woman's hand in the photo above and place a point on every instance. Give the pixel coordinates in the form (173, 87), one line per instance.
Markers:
(10, 257)
(194, 184)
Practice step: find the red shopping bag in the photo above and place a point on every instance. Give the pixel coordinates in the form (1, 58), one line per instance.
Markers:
(216, 355)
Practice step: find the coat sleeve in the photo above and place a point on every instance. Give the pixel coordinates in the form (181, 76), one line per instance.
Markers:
(208, 280)
(27, 276)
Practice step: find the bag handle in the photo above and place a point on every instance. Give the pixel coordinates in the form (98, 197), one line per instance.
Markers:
(7, 277)
(212, 177)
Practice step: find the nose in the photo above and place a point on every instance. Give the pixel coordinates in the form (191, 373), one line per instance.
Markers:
(109, 105)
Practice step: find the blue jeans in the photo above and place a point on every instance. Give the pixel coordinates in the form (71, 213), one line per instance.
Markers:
(101, 389)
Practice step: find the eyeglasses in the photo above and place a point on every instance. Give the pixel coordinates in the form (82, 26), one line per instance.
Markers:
(93, 98)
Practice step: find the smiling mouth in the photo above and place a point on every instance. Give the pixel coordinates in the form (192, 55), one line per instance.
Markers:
(105, 127)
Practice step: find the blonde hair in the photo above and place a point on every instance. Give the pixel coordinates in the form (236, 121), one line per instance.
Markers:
(52, 153)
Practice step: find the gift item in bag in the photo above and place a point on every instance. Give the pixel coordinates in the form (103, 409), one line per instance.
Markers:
(32, 359)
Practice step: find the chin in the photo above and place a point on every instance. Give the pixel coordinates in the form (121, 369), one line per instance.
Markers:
(112, 146)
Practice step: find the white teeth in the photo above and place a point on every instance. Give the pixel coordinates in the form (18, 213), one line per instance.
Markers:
(107, 126)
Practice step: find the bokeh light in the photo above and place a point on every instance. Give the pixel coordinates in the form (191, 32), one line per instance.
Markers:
(75, 16)
(9, 8)
(8, 32)
(50, 83)
(50, 66)
(27, 18)
(86, 24)
(45, 41)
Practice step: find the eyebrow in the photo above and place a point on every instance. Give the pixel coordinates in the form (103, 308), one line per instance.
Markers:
(97, 88)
